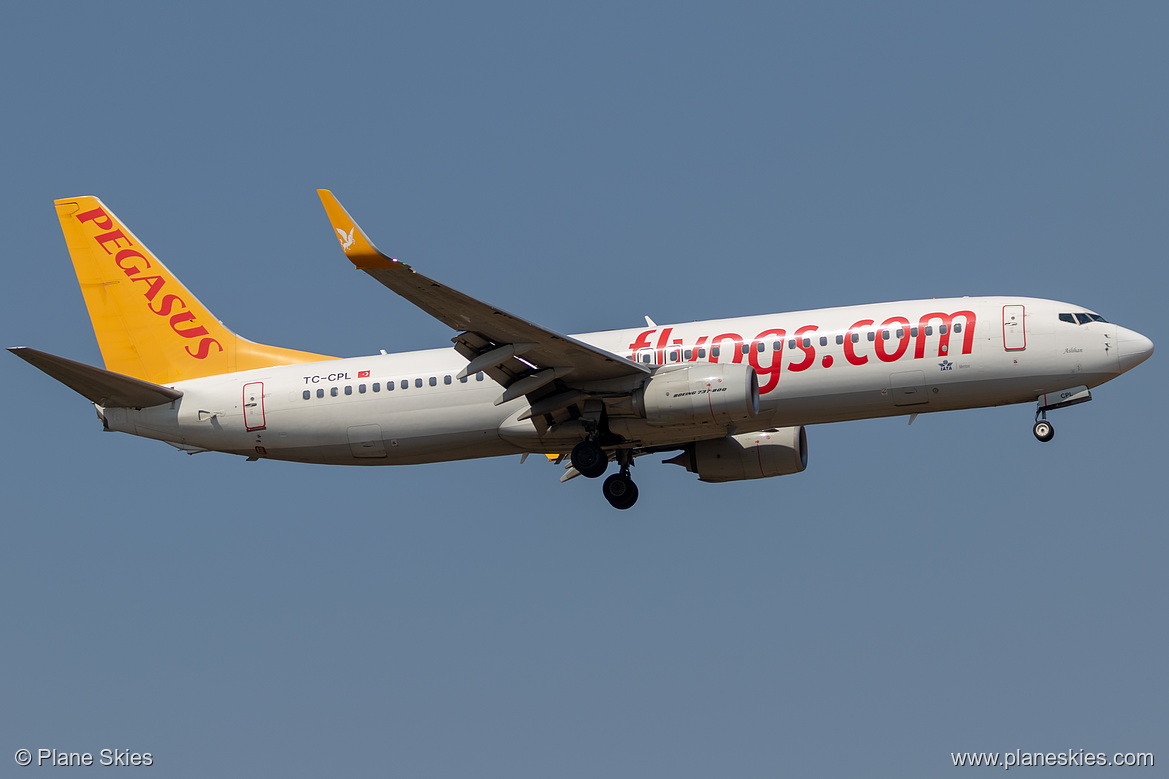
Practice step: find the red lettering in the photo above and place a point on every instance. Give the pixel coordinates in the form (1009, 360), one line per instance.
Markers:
(733, 337)
(130, 253)
(809, 350)
(642, 342)
(156, 283)
(947, 323)
(697, 345)
(99, 217)
(114, 237)
(663, 341)
(902, 339)
(204, 348)
(167, 304)
(770, 371)
(186, 316)
(849, 353)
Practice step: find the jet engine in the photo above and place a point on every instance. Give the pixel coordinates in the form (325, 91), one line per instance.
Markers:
(705, 393)
(775, 452)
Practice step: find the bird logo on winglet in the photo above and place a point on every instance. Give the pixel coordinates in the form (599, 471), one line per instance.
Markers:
(345, 238)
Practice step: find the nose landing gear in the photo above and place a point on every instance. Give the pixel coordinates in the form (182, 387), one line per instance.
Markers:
(1050, 401)
(1043, 429)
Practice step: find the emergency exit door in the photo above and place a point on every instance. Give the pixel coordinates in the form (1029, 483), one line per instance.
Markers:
(1014, 329)
(254, 406)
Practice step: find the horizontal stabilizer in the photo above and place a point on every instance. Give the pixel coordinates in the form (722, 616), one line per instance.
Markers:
(105, 388)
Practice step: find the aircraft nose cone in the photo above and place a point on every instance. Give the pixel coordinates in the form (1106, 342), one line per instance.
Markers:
(1134, 349)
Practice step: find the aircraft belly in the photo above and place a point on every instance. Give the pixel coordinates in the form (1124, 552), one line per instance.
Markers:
(948, 395)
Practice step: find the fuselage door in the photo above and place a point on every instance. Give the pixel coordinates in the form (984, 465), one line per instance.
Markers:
(254, 406)
(908, 388)
(1014, 329)
(366, 441)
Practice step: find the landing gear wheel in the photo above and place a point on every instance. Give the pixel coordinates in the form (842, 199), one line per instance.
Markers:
(590, 459)
(620, 491)
(1043, 430)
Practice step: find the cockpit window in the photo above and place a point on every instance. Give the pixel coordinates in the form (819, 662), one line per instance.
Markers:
(1081, 318)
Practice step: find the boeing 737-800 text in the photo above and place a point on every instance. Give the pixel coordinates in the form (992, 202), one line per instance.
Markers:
(733, 396)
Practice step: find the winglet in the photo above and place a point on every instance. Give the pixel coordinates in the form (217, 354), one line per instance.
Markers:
(354, 242)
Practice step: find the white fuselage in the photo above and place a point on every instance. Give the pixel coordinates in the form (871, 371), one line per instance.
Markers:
(825, 365)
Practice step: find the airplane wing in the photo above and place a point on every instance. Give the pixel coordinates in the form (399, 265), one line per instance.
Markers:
(525, 358)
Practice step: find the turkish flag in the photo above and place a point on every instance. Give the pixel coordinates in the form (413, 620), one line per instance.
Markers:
(363, 374)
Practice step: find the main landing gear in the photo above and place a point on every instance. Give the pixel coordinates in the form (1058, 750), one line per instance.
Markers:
(592, 461)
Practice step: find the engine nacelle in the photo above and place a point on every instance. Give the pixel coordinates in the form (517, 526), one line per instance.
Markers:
(704, 393)
(747, 456)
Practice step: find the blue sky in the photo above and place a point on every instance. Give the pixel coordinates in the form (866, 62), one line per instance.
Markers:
(950, 586)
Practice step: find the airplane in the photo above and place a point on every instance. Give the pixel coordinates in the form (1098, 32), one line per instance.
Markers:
(732, 396)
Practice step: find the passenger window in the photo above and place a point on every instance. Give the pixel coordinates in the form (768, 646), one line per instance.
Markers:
(701, 353)
(791, 343)
(433, 381)
(856, 338)
(957, 327)
(405, 383)
(307, 394)
(900, 333)
(377, 386)
(941, 329)
(759, 346)
(479, 376)
(689, 355)
(777, 346)
(884, 335)
(807, 343)
(463, 380)
(872, 335)
(646, 358)
(333, 392)
(913, 332)
(672, 356)
(839, 339)
(320, 393)
(745, 348)
(929, 329)
(418, 383)
(823, 340)
(348, 389)
(714, 350)
(446, 379)
(361, 389)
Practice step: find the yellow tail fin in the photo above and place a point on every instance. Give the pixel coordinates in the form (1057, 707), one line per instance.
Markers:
(148, 325)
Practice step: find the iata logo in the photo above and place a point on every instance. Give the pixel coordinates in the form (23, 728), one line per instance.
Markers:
(946, 365)
(346, 239)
